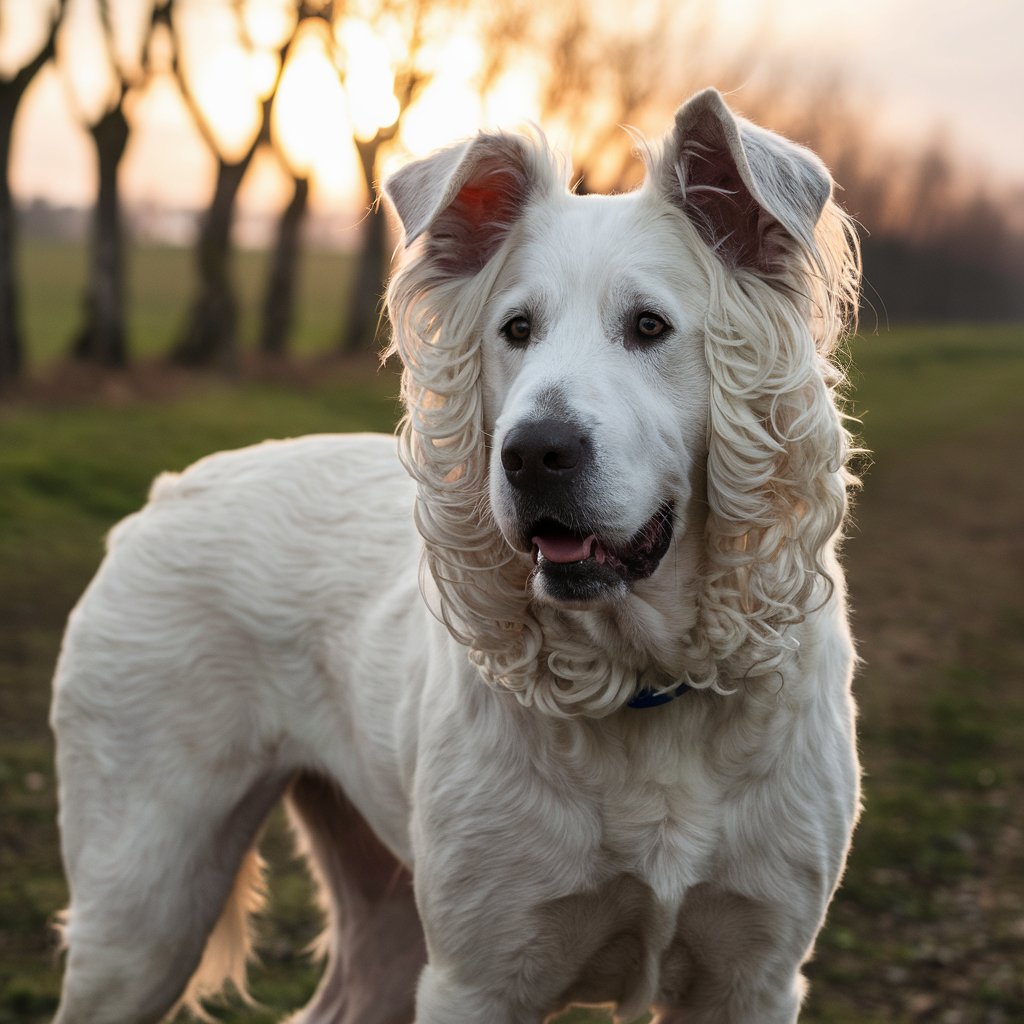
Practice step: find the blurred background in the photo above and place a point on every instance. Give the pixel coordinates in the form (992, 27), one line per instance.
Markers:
(191, 258)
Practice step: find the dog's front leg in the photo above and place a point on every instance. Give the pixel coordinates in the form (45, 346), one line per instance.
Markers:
(735, 960)
(498, 845)
(494, 976)
(490, 958)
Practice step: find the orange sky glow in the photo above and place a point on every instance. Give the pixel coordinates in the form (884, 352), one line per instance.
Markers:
(927, 63)
(315, 118)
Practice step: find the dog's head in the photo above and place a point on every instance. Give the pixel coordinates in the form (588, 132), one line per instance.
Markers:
(620, 409)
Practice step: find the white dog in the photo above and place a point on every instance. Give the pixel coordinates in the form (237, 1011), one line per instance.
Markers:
(583, 670)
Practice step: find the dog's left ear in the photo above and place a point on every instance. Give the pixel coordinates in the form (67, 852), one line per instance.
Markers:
(744, 188)
(465, 198)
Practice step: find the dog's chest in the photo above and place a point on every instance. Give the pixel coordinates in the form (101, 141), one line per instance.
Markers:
(654, 848)
(658, 828)
(658, 808)
(660, 832)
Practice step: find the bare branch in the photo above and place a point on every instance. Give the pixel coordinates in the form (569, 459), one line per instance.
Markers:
(19, 82)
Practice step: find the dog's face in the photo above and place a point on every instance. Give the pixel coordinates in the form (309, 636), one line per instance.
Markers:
(625, 399)
(595, 391)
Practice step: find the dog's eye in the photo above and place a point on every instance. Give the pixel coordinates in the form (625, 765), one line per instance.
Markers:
(517, 330)
(648, 325)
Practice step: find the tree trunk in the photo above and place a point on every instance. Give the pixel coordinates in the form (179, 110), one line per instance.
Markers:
(11, 91)
(102, 338)
(361, 317)
(11, 356)
(279, 296)
(210, 336)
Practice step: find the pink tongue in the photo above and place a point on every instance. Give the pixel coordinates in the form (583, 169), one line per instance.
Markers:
(566, 548)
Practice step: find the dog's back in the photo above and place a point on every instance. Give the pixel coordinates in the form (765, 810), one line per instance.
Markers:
(204, 667)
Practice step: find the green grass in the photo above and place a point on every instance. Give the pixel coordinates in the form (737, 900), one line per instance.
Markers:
(917, 385)
(160, 284)
(929, 917)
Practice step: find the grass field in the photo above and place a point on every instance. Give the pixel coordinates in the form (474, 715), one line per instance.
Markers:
(929, 925)
(159, 285)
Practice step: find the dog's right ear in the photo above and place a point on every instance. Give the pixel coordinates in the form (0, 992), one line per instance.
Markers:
(465, 199)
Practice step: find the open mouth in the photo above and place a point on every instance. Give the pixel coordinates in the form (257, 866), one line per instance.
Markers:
(578, 565)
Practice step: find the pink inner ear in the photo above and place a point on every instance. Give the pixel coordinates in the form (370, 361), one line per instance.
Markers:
(473, 202)
(474, 225)
(496, 199)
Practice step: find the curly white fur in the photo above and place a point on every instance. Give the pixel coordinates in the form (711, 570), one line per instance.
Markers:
(777, 457)
(626, 467)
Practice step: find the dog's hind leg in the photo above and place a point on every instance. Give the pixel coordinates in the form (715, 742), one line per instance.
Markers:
(155, 853)
(374, 941)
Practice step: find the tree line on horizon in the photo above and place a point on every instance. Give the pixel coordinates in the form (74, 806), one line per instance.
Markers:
(937, 244)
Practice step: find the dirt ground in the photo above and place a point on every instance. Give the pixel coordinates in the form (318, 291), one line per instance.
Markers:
(932, 916)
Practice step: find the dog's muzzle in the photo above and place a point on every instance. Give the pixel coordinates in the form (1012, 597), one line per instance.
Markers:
(547, 462)
(579, 566)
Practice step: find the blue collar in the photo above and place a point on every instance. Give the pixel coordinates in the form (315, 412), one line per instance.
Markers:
(649, 698)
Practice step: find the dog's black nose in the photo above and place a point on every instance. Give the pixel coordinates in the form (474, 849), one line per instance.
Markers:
(540, 453)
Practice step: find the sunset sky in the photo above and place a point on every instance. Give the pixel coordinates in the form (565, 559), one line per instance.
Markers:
(925, 67)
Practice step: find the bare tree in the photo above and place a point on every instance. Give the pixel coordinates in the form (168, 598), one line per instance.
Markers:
(505, 31)
(282, 279)
(362, 307)
(210, 336)
(12, 89)
(102, 337)
(608, 77)
(210, 333)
